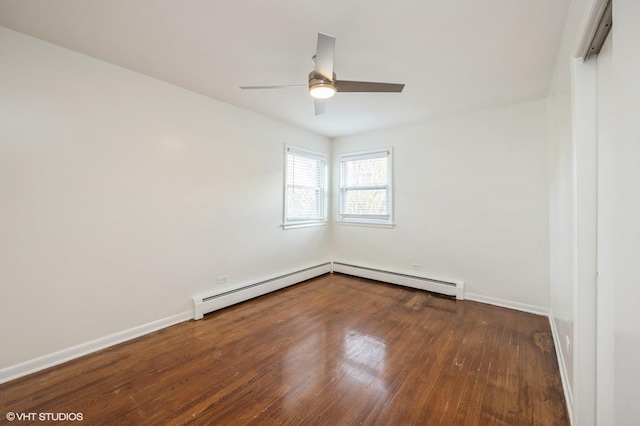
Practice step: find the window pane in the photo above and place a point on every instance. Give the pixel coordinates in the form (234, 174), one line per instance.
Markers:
(366, 172)
(305, 191)
(304, 203)
(303, 171)
(365, 202)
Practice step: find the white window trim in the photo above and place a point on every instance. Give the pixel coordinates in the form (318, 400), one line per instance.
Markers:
(366, 224)
(294, 224)
(360, 221)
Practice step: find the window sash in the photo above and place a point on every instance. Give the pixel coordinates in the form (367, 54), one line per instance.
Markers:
(352, 214)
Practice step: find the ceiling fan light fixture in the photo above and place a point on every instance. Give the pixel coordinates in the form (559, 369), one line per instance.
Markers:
(322, 80)
(322, 90)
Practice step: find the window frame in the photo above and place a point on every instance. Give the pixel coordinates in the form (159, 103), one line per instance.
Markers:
(291, 223)
(344, 218)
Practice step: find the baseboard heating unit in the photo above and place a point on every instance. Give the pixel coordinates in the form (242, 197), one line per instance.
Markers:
(226, 297)
(449, 288)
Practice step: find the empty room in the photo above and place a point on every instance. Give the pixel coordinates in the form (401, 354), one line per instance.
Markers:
(295, 212)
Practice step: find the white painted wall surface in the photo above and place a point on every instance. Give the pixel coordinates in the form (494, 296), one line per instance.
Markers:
(470, 203)
(122, 196)
(561, 191)
(626, 209)
(606, 222)
(584, 154)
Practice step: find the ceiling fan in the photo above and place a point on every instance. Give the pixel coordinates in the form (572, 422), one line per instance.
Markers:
(323, 83)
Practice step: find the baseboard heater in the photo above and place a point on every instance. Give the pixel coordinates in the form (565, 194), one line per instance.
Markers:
(446, 287)
(217, 300)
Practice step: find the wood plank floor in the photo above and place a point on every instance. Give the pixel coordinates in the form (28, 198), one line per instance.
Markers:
(335, 350)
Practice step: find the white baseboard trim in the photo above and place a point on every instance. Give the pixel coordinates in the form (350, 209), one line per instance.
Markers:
(524, 307)
(447, 287)
(218, 299)
(568, 396)
(28, 367)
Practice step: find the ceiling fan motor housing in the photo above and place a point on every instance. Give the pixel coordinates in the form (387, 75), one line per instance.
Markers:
(321, 87)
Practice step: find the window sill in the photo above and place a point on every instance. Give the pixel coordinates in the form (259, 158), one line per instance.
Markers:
(302, 225)
(366, 224)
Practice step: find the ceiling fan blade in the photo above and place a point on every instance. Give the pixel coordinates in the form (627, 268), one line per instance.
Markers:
(320, 106)
(367, 86)
(282, 86)
(324, 56)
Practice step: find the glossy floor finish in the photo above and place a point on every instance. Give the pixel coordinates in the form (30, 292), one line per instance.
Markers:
(335, 350)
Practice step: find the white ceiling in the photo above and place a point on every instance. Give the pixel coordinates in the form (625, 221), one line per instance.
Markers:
(453, 55)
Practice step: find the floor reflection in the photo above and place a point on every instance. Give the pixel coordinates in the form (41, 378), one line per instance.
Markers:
(364, 359)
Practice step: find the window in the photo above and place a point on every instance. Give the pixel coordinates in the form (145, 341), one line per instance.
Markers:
(305, 200)
(365, 187)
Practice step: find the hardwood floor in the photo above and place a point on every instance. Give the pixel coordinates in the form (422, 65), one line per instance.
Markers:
(335, 350)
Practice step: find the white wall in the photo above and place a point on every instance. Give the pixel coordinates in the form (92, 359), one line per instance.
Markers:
(618, 86)
(562, 183)
(470, 203)
(625, 208)
(605, 262)
(121, 197)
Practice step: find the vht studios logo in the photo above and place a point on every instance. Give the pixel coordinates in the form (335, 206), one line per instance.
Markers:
(45, 417)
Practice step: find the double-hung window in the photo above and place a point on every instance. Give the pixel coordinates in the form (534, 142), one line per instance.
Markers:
(365, 187)
(305, 198)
